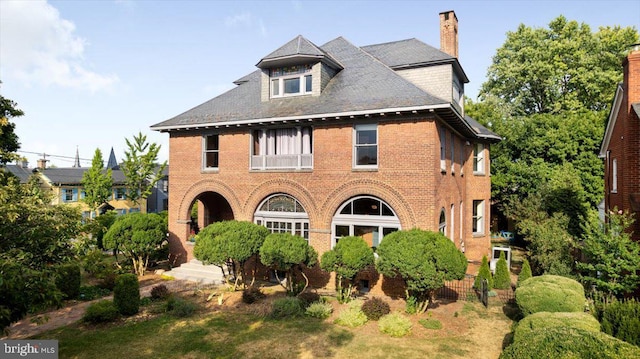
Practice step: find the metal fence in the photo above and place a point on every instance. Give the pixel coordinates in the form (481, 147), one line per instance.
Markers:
(463, 290)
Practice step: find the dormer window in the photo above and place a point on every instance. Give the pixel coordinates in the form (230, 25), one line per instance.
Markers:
(291, 80)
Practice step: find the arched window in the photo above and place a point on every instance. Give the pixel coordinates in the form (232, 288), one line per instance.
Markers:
(281, 213)
(364, 216)
(442, 226)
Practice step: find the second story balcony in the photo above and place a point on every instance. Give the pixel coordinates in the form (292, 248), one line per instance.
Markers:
(284, 162)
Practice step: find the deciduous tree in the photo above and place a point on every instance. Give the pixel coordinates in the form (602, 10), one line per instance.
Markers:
(140, 167)
(291, 254)
(8, 139)
(97, 182)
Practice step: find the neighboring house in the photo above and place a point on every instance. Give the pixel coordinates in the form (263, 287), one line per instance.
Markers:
(336, 140)
(158, 200)
(21, 170)
(620, 147)
(66, 185)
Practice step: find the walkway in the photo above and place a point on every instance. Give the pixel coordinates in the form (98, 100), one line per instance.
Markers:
(29, 326)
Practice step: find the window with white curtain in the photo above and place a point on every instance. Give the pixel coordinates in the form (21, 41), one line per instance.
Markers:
(282, 148)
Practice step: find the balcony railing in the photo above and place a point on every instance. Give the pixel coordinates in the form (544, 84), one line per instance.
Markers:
(277, 162)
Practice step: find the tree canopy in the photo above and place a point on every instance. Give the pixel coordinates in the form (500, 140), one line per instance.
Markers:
(230, 242)
(349, 256)
(97, 182)
(291, 254)
(140, 167)
(423, 259)
(138, 236)
(8, 139)
(563, 67)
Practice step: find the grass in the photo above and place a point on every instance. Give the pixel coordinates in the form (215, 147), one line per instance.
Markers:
(235, 334)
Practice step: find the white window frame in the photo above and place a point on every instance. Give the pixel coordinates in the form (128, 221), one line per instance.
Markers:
(298, 221)
(453, 154)
(614, 176)
(206, 151)
(302, 78)
(478, 159)
(478, 217)
(443, 150)
(442, 222)
(355, 220)
(266, 156)
(356, 146)
(66, 197)
(452, 227)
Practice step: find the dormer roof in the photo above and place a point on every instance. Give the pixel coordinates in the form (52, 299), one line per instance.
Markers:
(295, 52)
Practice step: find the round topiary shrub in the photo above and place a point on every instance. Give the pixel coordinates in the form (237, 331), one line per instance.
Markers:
(352, 316)
(68, 280)
(308, 298)
(101, 312)
(288, 307)
(126, 294)
(395, 324)
(252, 295)
(319, 310)
(550, 293)
(546, 320)
(375, 308)
(160, 292)
(567, 342)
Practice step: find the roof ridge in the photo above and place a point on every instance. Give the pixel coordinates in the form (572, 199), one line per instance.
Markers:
(392, 42)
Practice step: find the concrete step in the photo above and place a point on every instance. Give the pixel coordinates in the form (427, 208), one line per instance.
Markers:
(195, 271)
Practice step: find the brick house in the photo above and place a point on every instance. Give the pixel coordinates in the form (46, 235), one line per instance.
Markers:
(620, 147)
(335, 140)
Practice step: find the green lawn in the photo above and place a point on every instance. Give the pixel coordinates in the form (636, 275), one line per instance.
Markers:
(227, 335)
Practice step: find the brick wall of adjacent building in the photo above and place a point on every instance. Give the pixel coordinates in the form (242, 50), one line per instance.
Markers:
(408, 178)
(624, 145)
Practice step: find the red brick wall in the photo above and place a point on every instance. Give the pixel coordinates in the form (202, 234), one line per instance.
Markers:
(408, 178)
(624, 144)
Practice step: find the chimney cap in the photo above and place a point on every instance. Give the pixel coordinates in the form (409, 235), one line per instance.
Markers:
(449, 12)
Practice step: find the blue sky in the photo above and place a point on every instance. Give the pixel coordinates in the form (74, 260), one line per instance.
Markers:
(89, 74)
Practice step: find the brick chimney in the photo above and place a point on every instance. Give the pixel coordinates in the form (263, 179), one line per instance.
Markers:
(42, 163)
(449, 33)
(631, 71)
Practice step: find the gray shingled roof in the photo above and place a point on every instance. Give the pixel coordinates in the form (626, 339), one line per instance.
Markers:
(293, 51)
(636, 108)
(73, 176)
(411, 53)
(22, 173)
(363, 84)
(482, 131)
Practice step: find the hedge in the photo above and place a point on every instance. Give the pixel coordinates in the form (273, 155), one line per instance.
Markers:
(566, 342)
(547, 320)
(126, 294)
(550, 293)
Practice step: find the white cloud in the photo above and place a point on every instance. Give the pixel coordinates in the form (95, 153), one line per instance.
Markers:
(39, 47)
(247, 20)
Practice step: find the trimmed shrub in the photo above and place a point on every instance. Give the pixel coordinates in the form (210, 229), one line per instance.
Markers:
(411, 305)
(288, 307)
(88, 293)
(431, 323)
(101, 312)
(502, 280)
(252, 295)
(375, 308)
(395, 324)
(546, 320)
(319, 310)
(308, 298)
(160, 292)
(550, 293)
(68, 280)
(483, 273)
(180, 307)
(126, 294)
(352, 316)
(621, 319)
(108, 280)
(525, 272)
(566, 342)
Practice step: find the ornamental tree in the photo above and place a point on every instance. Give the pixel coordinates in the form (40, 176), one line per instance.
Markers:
(8, 139)
(231, 244)
(140, 167)
(137, 236)
(291, 254)
(611, 259)
(97, 183)
(423, 259)
(347, 259)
